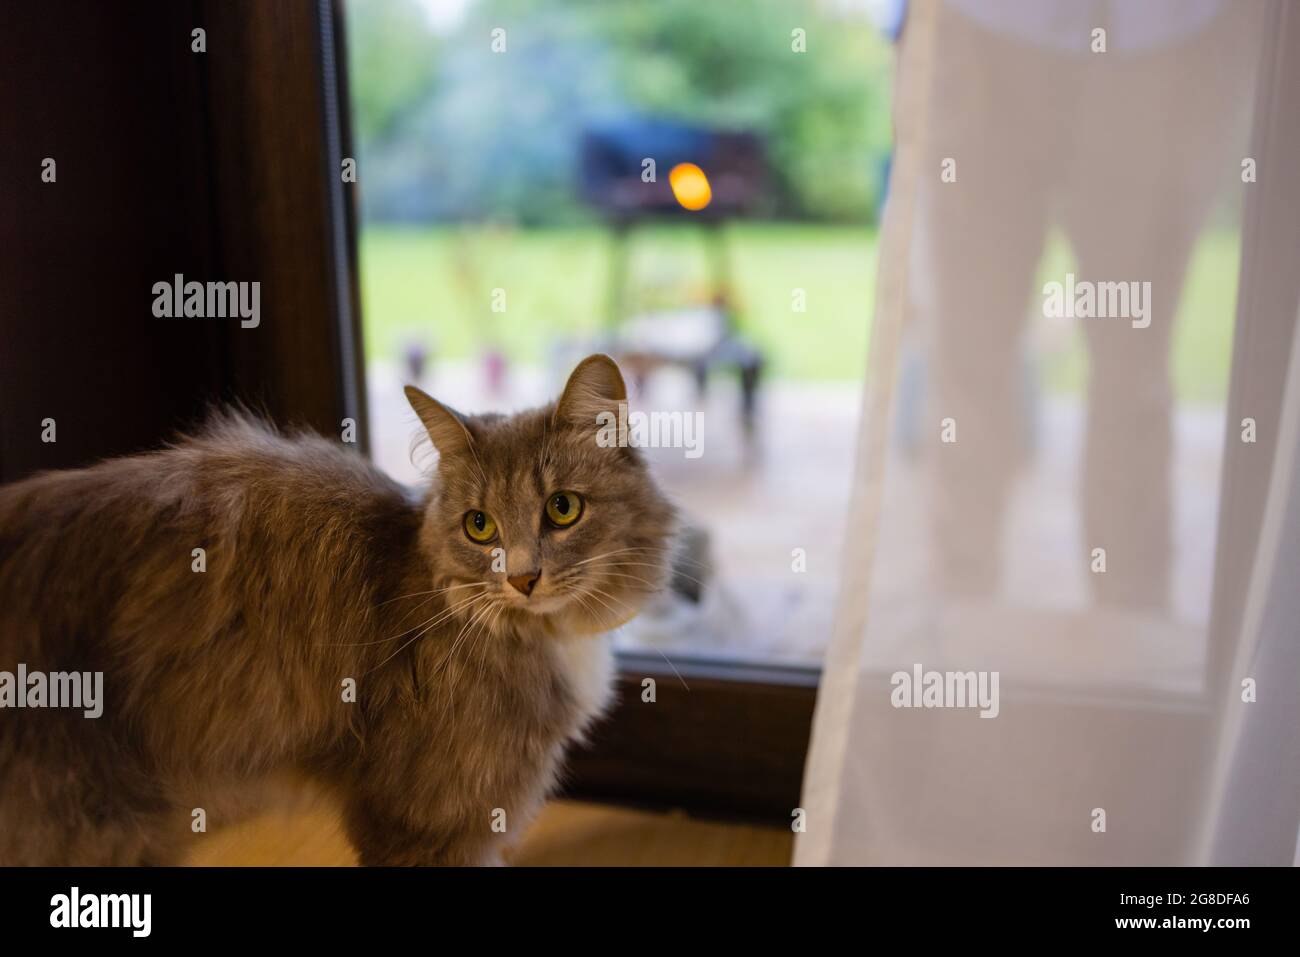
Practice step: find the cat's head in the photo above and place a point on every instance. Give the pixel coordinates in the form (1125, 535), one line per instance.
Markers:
(538, 520)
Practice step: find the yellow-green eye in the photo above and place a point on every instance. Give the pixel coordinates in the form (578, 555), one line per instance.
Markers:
(563, 508)
(480, 527)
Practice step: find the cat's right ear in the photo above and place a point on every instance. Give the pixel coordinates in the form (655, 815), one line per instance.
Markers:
(445, 426)
(594, 387)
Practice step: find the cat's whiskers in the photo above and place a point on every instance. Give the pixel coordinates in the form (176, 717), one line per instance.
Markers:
(407, 631)
(451, 612)
(671, 554)
(617, 551)
(668, 571)
(411, 611)
(479, 615)
(500, 610)
(469, 608)
(472, 610)
(467, 604)
(667, 563)
(604, 571)
(597, 592)
(433, 591)
(578, 596)
(664, 553)
(437, 591)
(576, 581)
(636, 578)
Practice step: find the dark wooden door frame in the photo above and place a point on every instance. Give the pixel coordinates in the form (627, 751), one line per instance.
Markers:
(221, 165)
(274, 82)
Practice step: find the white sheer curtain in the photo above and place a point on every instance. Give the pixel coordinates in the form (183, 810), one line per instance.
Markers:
(1066, 632)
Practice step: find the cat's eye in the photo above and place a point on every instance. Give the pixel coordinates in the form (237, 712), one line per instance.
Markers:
(563, 508)
(479, 527)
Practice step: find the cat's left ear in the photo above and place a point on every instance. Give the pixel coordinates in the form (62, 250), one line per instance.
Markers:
(595, 386)
(445, 426)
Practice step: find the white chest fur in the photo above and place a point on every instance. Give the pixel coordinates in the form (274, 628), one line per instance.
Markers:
(587, 663)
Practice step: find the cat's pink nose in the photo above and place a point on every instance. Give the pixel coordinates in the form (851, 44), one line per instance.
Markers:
(524, 583)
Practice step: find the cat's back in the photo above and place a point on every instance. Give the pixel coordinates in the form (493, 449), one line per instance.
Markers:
(234, 461)
(237, 490)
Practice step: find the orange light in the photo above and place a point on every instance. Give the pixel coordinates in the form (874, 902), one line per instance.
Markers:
(690, 186)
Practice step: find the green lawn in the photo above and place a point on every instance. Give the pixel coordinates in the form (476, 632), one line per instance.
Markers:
(437, 284)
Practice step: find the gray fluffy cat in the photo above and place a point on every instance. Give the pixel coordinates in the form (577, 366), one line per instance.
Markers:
(470, 623)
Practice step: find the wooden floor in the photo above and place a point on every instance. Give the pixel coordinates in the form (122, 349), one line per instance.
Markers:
(567, 833)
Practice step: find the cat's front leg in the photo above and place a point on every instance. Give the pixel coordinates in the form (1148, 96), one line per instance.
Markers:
(383, 839)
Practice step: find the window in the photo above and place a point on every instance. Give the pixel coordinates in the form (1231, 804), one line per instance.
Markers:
(679, 185)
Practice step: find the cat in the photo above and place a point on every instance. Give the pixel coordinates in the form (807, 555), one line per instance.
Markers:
(426, 661)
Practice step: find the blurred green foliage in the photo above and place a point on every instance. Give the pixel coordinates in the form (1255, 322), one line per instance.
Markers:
(449, 130)
(392, 65)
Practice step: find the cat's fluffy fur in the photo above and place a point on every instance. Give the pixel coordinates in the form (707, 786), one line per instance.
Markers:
(318, 569)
